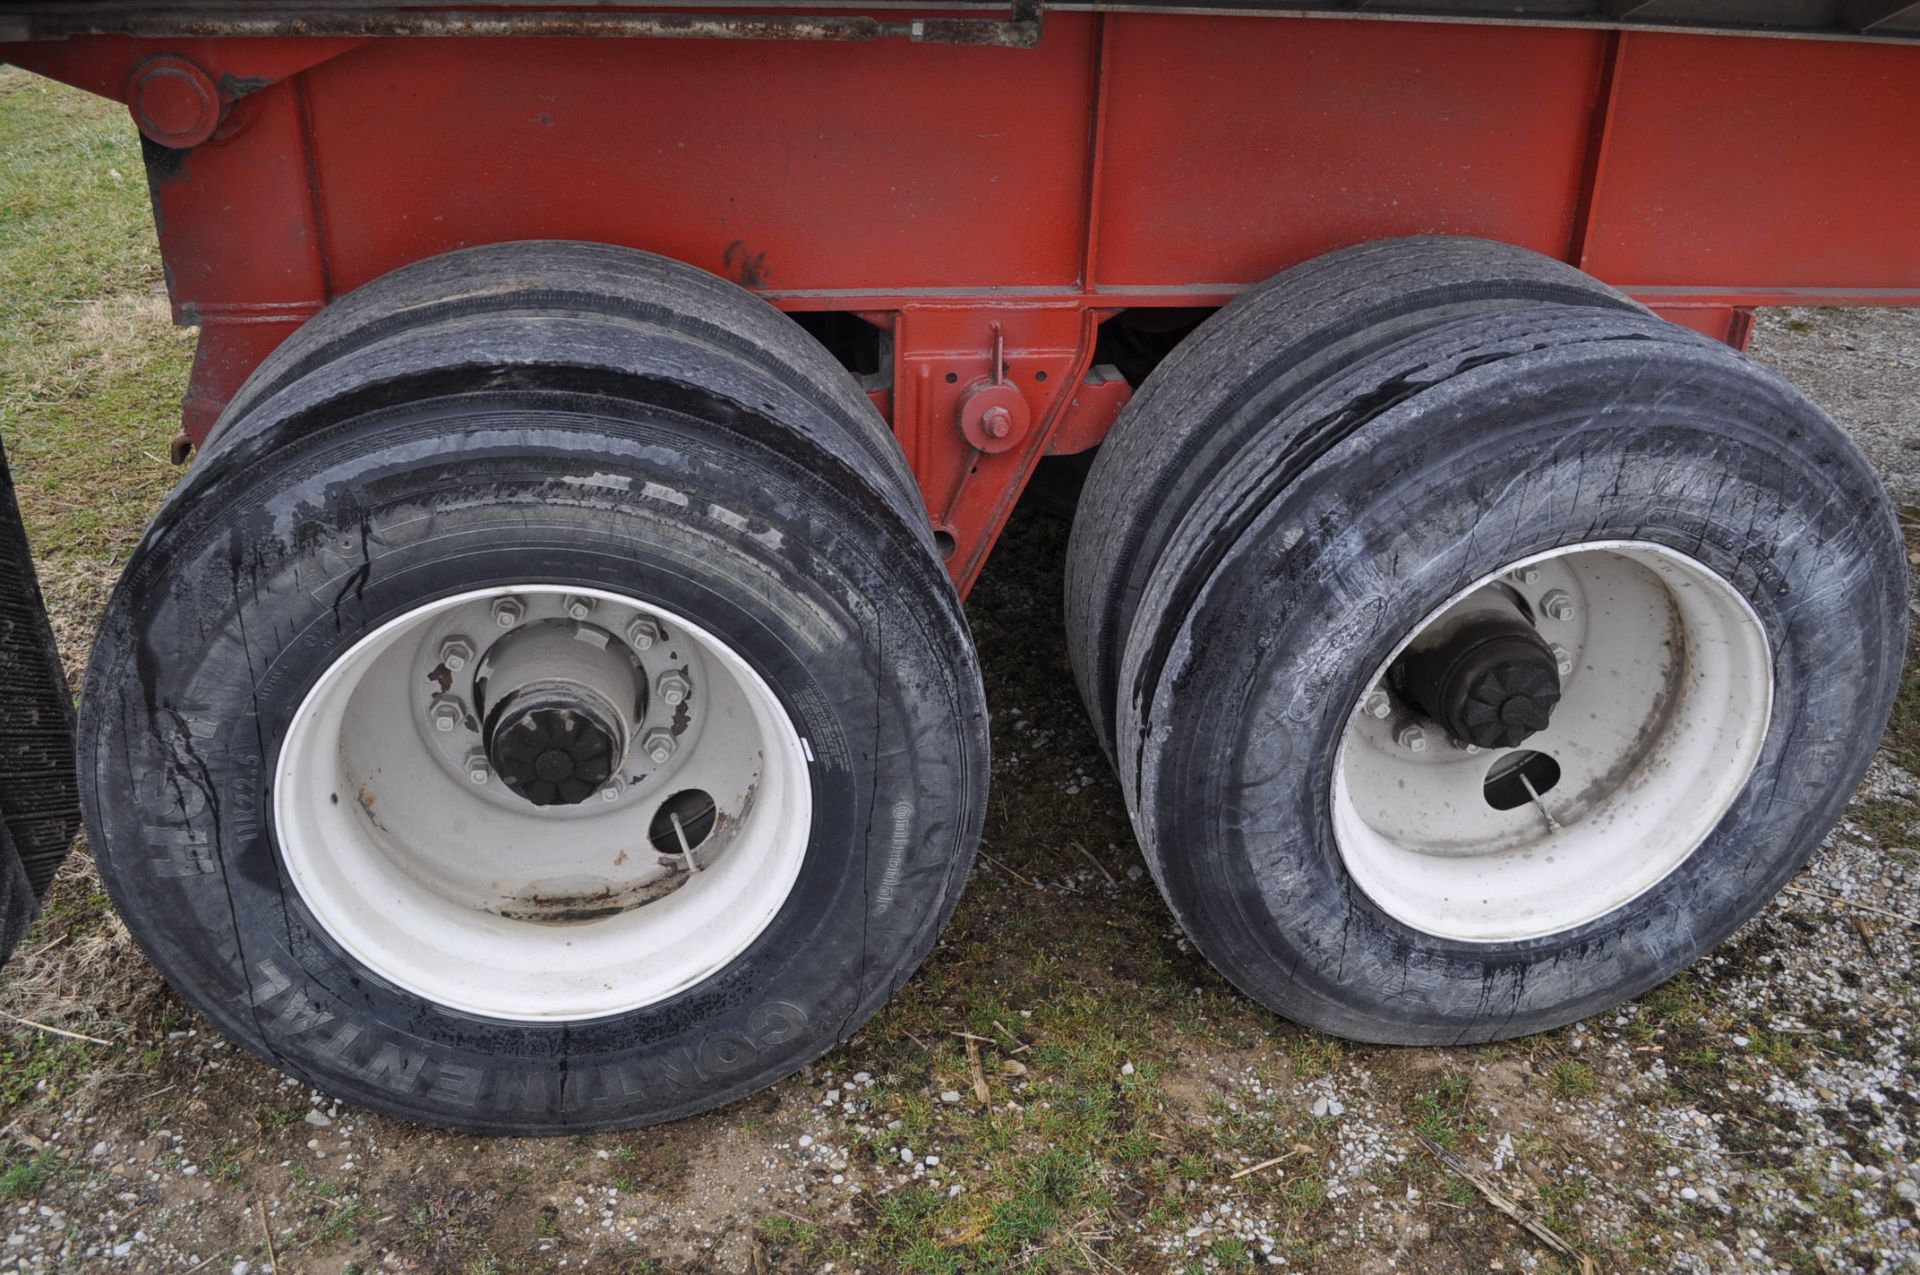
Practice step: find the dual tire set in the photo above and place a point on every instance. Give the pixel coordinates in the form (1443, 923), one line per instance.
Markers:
(650, 522)
(1476, 649)
(544, 707)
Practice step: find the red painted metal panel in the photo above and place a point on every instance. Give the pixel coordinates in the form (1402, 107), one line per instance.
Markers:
(1235, 149)
(787, 166)
(1763, 165)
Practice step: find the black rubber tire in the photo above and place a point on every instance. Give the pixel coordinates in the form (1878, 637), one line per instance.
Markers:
(39, 795)
(1416, 471)
(615, 289)
(477, 449)
(1236, 377)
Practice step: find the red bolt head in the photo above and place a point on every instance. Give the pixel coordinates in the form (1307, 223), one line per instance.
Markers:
(992, 417)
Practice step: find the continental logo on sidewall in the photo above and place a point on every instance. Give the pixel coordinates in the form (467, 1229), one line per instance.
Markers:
(896, 857)
(286, 1013)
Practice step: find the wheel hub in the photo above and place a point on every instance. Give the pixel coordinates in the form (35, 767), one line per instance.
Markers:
(1492, 681)
(554, 749)
(562, 700)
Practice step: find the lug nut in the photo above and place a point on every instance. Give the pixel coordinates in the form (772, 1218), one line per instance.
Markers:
(447, 716)
(614, 790)
(1555, 604)
(578, 608)
(1376, 704)
(643, 633)
(508, 612)
(456, 653)
(1562, 660)
(1526, 575)
(659, 744)
(479, 769)
(673, 688)
(1411, 738)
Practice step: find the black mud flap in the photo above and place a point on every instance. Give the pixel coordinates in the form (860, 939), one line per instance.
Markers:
(39, 793)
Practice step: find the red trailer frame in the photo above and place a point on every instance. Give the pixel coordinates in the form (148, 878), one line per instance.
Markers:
(988, 206)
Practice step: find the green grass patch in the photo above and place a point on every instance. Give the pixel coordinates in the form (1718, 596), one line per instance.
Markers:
(35, 1064)
(75, 223)
(1444, 1112)
(1571, 1078)
(1889, 820)
(1678, 1002)
(91, 369)
(1314, 1055)
(23, 1179)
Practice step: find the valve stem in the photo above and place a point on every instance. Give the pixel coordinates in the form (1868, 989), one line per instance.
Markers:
(686, 851)
(1553, 825)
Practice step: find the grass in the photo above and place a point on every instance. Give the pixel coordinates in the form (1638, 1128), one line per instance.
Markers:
(1571, 1078)
(38, 1064)
(337, 1220)
(1445, 1112)
(24, 1179)
(87, 352)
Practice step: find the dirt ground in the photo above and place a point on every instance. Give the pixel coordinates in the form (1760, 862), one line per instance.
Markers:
(1758, 1113)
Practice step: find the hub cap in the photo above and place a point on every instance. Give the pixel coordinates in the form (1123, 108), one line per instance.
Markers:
(1490, 680)
(1551, 743)
(553, 752)
(490, 803)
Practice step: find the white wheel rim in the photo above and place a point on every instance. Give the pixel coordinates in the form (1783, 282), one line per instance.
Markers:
(471, 897)
(1667, 688)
